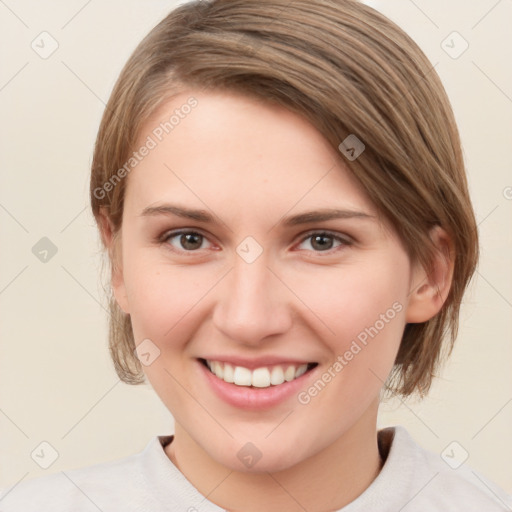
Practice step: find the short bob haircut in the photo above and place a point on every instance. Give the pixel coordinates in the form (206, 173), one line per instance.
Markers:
(345, 68)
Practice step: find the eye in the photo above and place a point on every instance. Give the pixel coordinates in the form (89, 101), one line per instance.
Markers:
(193, 241)
(322, 241)
(188, 241)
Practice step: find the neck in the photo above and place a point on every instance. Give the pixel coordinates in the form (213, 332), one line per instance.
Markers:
(329, 480)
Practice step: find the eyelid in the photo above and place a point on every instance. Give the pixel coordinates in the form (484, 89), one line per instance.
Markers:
(171, 233)
(344, 239)
(334, 234)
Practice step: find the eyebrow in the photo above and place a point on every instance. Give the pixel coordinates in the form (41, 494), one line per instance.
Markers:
(293, 220)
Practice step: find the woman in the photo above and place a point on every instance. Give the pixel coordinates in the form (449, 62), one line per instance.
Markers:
(281, 191)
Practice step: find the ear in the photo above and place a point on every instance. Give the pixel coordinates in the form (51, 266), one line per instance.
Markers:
(112, 242)
(430, 288)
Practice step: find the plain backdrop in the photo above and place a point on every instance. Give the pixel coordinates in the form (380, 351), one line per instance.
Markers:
(57, 384)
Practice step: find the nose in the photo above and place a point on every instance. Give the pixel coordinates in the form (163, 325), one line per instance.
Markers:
(252, 304)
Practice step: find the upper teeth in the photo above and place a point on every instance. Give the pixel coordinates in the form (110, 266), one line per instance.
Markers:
(260, 377)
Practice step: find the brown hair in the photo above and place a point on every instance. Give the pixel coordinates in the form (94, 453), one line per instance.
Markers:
(348, 70)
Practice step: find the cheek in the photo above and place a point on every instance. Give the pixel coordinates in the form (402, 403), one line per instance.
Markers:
(163, 298)
(351, 300)
(365, 308)
(375, 313)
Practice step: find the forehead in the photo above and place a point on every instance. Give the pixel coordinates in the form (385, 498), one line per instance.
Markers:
(238, 152)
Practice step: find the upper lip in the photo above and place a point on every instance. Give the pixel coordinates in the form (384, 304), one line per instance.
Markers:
(257, 362)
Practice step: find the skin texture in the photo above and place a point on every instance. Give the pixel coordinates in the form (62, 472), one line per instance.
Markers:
(249, 165)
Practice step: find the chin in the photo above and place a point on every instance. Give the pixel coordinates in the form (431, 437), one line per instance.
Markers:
(255, 457)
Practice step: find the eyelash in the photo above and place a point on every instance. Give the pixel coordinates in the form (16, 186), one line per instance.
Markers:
(344, 241)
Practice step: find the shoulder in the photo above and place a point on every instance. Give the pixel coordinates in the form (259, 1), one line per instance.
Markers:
(99, 487)
(439, 482)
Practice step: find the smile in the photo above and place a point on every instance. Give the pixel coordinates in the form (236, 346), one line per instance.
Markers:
(263, 377)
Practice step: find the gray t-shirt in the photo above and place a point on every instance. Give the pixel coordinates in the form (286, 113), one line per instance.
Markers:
(411, 480)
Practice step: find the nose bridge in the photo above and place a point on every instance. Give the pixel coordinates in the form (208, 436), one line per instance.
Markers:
(251, 305)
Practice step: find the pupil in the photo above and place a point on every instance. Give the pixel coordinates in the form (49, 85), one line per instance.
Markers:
(320, 239)
(191, 241)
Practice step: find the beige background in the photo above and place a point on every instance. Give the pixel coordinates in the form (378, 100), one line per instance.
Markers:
(57, 383)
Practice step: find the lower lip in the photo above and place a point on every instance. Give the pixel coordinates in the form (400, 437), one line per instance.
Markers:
(250, 398)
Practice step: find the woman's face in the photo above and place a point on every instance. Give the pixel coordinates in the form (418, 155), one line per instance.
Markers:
(248, 247)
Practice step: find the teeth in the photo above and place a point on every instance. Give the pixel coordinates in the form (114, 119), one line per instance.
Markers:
(242, 376)
(260, 377)
(229, 373)
(277, 376)
(289, 374)
(301, 370)
(218, 369)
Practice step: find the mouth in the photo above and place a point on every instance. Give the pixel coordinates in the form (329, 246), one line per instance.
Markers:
(262, 377)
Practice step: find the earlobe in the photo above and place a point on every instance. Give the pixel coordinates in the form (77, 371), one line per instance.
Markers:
(430, 289)
(112, 242)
